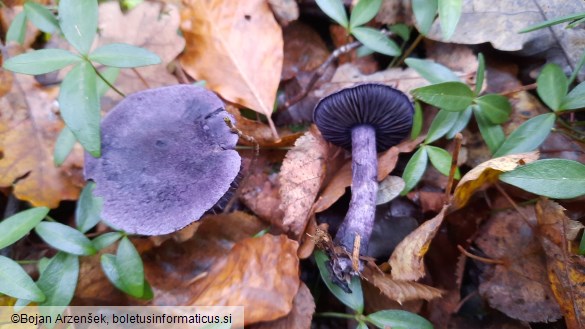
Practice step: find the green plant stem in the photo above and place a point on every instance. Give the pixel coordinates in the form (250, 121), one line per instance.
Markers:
(107, 82)
(336, 315)
(27, 261)
(410, 49)
(50, 219)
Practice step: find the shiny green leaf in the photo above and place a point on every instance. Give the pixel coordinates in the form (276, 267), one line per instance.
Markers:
(16, 226)
(492, 134)
(398, 319)
(441, 160)
(552, 178)
(335, 10)
(41, 17)
(528, 136)
(353, 300)
(415, 168)
(575, 99)
(130, 268)
(17, 30)
(123, 55)
(424, 13)
(449, 96)
(495, 108)
(41, 61)
(417, 120)
(80, 106)
(59, 279)
(401, 30)
(551, 86)
(480, 74)
(65, 238)
(460, 123)
(449, 14)
(431, 71)
(363, 12)
(106, 240)
(442, 124)
(78, 21)
(376, 40)
(15, 282)
(63, 146)
(89, 208)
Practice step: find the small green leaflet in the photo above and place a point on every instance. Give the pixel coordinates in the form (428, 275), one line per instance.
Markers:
(551, 86)
(16, 226)
(335, 10)
(65, 238)
(415, 169)
(528, 136)
(355, 300)
(16, 283)
(398, 319)
(449, 96)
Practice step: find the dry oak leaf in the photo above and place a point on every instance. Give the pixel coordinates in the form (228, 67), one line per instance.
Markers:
(407, 259)
(518, 287)
(262, 274)
(342, 179)
(299, 318)
(28, 130)
(237, 48)
(486, 174)
(565, 273)
(301, 176)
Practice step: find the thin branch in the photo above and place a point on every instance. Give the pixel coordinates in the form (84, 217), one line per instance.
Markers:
(454, 159)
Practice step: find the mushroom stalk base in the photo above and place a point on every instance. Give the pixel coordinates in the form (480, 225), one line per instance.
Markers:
(359, 219)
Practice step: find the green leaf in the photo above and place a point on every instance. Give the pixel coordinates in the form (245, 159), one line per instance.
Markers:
(493, 135)
(442, 124)
(449, 96)
(417, 120)
(110, 269)
(89, 208)
(16, 226)
(398, 319)
(528, 136)
(110, 74)
(496, 108)
(376, 40)
(424, 13)
(106, 240)
(582, 245)
(59, 279)
(415, 168)
(353, 300)
(363, 51)
(14, 282)
(63, 146)
(551, 86)
(80, 106)
(43, 263)
(577, 69)
(363, 12)
(401, 30)
(65, 238)
(362, 325)
(17, 30)
(130, 268)
(552, 22)
(449, 14)
(123, 55)
(460, 123)
(480, 74)
(41, 17)
(441, 160)
(575, 99)
(78, 20)
(552, 178)
(41, 61)
(431, 71)
(335, 10)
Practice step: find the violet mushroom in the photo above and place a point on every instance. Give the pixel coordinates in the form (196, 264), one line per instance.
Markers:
(167, 158)
(365, 119)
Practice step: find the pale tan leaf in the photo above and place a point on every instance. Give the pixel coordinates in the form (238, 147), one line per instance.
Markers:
(401, 291)
(299, 318)
(389, 188)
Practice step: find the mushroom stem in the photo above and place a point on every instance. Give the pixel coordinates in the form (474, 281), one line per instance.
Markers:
(364, 187)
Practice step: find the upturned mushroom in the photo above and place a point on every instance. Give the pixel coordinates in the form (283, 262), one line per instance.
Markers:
(365, 119)
(167, 158)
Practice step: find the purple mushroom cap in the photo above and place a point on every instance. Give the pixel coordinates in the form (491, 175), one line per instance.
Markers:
(167, 157)
(386, 109)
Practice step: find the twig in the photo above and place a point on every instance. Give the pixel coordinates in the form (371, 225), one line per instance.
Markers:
(355, 259)
(410, 49)
(479, 258)
(454, 159)
(141, 78)
(519, 89)
(243, 136)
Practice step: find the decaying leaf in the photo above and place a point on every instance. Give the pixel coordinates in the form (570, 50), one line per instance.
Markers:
(6, 78)
(223, 49)
(519, 286)
(159, 36)
(398, 290)
(486, 174)
(407, 259)
(299, 317)
(285, 11)
(389, 188)
(301, 175)
(342, 179)
(259, 273)
(566, 270)
(28, 130)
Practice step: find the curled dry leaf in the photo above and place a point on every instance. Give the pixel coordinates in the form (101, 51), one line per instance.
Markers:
(299, 317)
(28, 130)
(223, 49)
(389, 188)
(285, 11)
(259, 273)
(400, 291)
(519, 286)
(407, 259)
(342, 179)
(301, 175)
(486, 174)
(565, 269)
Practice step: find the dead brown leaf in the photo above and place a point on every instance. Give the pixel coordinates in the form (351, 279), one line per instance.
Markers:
(223, 48)
(5, 81)
(28, 130)
(304, 50)
(259, 273)
(149, 25)
(518, 287)
(300, 316)
(301, 176)
(565, 272)
(407, 259)
(285, 11)
(486, 174)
